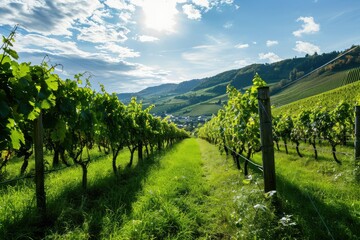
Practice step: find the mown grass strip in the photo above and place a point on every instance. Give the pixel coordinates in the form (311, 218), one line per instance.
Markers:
(167, 207)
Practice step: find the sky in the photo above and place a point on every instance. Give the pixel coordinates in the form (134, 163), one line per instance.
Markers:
(128, 45)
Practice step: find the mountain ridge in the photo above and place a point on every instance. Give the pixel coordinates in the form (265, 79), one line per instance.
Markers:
(171, 98)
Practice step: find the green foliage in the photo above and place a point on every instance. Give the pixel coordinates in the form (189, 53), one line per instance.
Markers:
(75, 118)
(236, 127)
(316, 124)
(25, 91)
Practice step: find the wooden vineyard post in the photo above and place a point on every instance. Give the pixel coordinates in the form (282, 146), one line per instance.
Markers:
(266, 139)
(357, 135)
(39, 166)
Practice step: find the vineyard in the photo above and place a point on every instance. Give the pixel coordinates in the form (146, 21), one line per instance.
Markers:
(141, 180)
(236, 131)
(39, 109)
(353, 76)
(312, 130)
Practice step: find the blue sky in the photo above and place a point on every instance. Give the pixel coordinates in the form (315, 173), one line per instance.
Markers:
(129, 45)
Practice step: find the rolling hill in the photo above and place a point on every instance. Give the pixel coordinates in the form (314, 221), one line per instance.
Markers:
(288, 79)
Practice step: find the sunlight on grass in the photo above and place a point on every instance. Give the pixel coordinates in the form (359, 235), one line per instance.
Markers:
(190, 191)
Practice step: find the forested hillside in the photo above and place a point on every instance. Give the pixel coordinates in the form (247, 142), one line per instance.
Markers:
(182, 98)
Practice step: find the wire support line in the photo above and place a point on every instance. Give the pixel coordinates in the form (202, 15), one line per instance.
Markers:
(45, 172)
(246, 159)
(32, 176)
(316, 69)
(318, 149)
(322, 219)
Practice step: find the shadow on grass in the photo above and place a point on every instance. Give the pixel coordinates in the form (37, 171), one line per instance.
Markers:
(95, 212)
(318, 220)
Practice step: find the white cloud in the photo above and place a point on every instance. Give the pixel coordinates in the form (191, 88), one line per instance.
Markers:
(271, 43)
(106, 65)
(159, 14)
(145, 38)
(191, 12)
(203, 46)
(272, 57)
(35, 43)
(38, 44)
(228, 25)
(308, 27)
(241, 46)
(121, 52)
(216, 54)
(55, 17)
(254, 43)
(126, 16)
(100, 33)
(120, 5)
(202, 3)
(226, 1)
(99, 15)
(306, 47)
(242, 63)
(204, 55)
(143, 71)
(237, 7)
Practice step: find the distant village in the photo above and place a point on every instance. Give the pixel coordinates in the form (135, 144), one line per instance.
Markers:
(189, 123)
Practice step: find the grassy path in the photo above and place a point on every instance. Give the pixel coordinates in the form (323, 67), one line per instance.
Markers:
(186, 192)
(180, 199)
(189, 191)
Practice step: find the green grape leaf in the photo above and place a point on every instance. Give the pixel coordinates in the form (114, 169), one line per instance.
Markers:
(34, 114)
(45, 104)
(17, 137)
(52, 82)
(21, 70)
(5, 59)
(11, 123)
(59, 132)
(12, 53)
(52, 99)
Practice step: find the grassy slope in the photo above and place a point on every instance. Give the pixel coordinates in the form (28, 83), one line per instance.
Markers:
(306, 87)
(349, 93)
(309, 86)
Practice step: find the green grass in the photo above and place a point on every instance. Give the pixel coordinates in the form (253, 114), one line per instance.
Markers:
(309, 86)
(67, 206)
(322, 187)
(349, 93)
(320, 194)
(190, 191)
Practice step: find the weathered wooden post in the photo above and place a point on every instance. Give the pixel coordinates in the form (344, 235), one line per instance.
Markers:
(39, 166)
(357, 135)
(266, 139)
